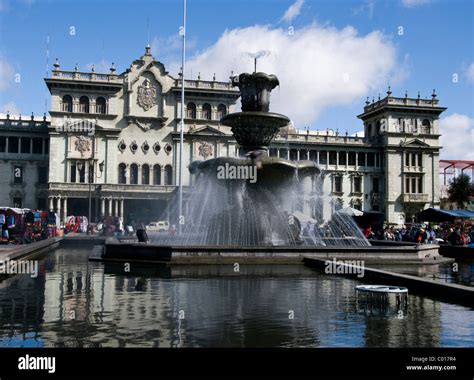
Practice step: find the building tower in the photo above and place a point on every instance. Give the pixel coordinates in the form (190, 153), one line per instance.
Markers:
(407, 131)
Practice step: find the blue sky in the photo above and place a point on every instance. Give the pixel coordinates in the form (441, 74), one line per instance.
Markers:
(437, 42)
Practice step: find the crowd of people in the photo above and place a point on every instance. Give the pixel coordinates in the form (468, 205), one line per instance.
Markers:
(455, 234)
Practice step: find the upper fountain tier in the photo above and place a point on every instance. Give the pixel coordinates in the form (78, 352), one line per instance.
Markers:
(255, 127)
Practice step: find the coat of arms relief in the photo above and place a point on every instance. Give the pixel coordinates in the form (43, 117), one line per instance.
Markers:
(83, 145)
(146, 95)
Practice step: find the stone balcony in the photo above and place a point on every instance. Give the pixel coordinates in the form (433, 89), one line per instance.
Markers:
(415, 198)
(89, 77)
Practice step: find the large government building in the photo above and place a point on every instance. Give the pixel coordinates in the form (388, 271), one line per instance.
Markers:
(114, 138)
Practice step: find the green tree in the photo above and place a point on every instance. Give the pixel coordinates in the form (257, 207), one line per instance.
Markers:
(460, 189)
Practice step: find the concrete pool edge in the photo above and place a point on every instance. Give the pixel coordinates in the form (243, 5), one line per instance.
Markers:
(453, 293)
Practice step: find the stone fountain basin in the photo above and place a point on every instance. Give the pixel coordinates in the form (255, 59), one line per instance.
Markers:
(269, 169)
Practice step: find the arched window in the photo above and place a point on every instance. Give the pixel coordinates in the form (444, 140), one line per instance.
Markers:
(122, 174)
(66, 105)
(221, 111)
(293, 154)
(425, 126)
(191, 111)
(157, 175)
(100, 105)
(206, 111)
(84, 104)
(145, 174)
(133, 174)
(168, 175)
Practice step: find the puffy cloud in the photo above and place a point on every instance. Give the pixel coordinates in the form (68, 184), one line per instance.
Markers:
(293, 11)
(470, 73)
(318, 66)
(6, 74)
(457, 137)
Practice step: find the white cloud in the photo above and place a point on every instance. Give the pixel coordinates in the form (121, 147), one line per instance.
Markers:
(10, 107)
(6, 74)
(293, 11)
(470, 73)
(414, 3)
(457, 137)
(318, 66)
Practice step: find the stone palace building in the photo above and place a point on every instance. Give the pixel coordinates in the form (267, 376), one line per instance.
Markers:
(114, 138)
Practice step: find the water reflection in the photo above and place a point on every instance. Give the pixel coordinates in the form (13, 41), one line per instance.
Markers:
(77, 303)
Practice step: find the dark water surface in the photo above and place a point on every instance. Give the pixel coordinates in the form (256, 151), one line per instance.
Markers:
(77, 303)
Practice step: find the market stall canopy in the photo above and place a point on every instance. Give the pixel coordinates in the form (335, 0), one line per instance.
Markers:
(440, 215)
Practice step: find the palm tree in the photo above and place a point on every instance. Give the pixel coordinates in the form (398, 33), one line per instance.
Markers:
(460, 189)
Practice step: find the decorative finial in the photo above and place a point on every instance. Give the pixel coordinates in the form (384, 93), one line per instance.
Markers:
(199, 76)
(32, 116)
(389, 91)
(112, 68)
(93, 68)
(379, 95)
(419, 95)
(19, 117)
(214, 77)
(76, 68)
(180, 74)
(44, 116)
(56, 65)
(406, 94)
(337, 132)
(148, 50)
(8, 115)
(433, 95)
(373, 99)
(367, 102)
(347, 133)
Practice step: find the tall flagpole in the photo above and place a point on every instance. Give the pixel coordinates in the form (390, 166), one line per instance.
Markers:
(181, 136)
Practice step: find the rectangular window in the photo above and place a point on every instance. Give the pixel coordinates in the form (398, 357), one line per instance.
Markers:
(82, 174)
(323, 158)
(357, 184)
(338, 184)
(37, 146)
(17, 202)
(3, 144)
(18, 174)
(25, 145)
(375, 185)
(342, 158)
(381, 160)
(413, 185)
(361, 159)
(352, 158)
(420, 159)
(413, 159)
(42, 174)
(91, 174)
(407, 185)
(332, 158)
(370, 159)
(73, 173)
(12, 144)
(420, 185)
(407, 159)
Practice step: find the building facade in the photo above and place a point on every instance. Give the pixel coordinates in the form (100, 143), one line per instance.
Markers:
(114, 140)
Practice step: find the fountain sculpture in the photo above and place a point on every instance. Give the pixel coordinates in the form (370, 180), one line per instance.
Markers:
(258, 200)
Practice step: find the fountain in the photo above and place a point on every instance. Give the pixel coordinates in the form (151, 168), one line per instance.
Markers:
(258, 200)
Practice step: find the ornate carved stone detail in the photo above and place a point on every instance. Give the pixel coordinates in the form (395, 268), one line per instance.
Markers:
(205, 150)
(145, 147)
(134, 146)
(156, 147)
(146, 97)
(83, 144)
(122, 146)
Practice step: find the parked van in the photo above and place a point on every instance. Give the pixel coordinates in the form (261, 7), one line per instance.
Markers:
(161, 226)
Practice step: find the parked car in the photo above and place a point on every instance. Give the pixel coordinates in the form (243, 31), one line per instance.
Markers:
(161, 226)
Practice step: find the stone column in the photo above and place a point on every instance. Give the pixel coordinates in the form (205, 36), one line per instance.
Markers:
(356, 160)
(317, 157)
(65, 210)
(102, 207)
(297, 155)
(347, 160)
(121, 207)
(31, 146)
(139, 174)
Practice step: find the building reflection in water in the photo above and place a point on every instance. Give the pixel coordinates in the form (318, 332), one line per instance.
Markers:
(77, 303)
